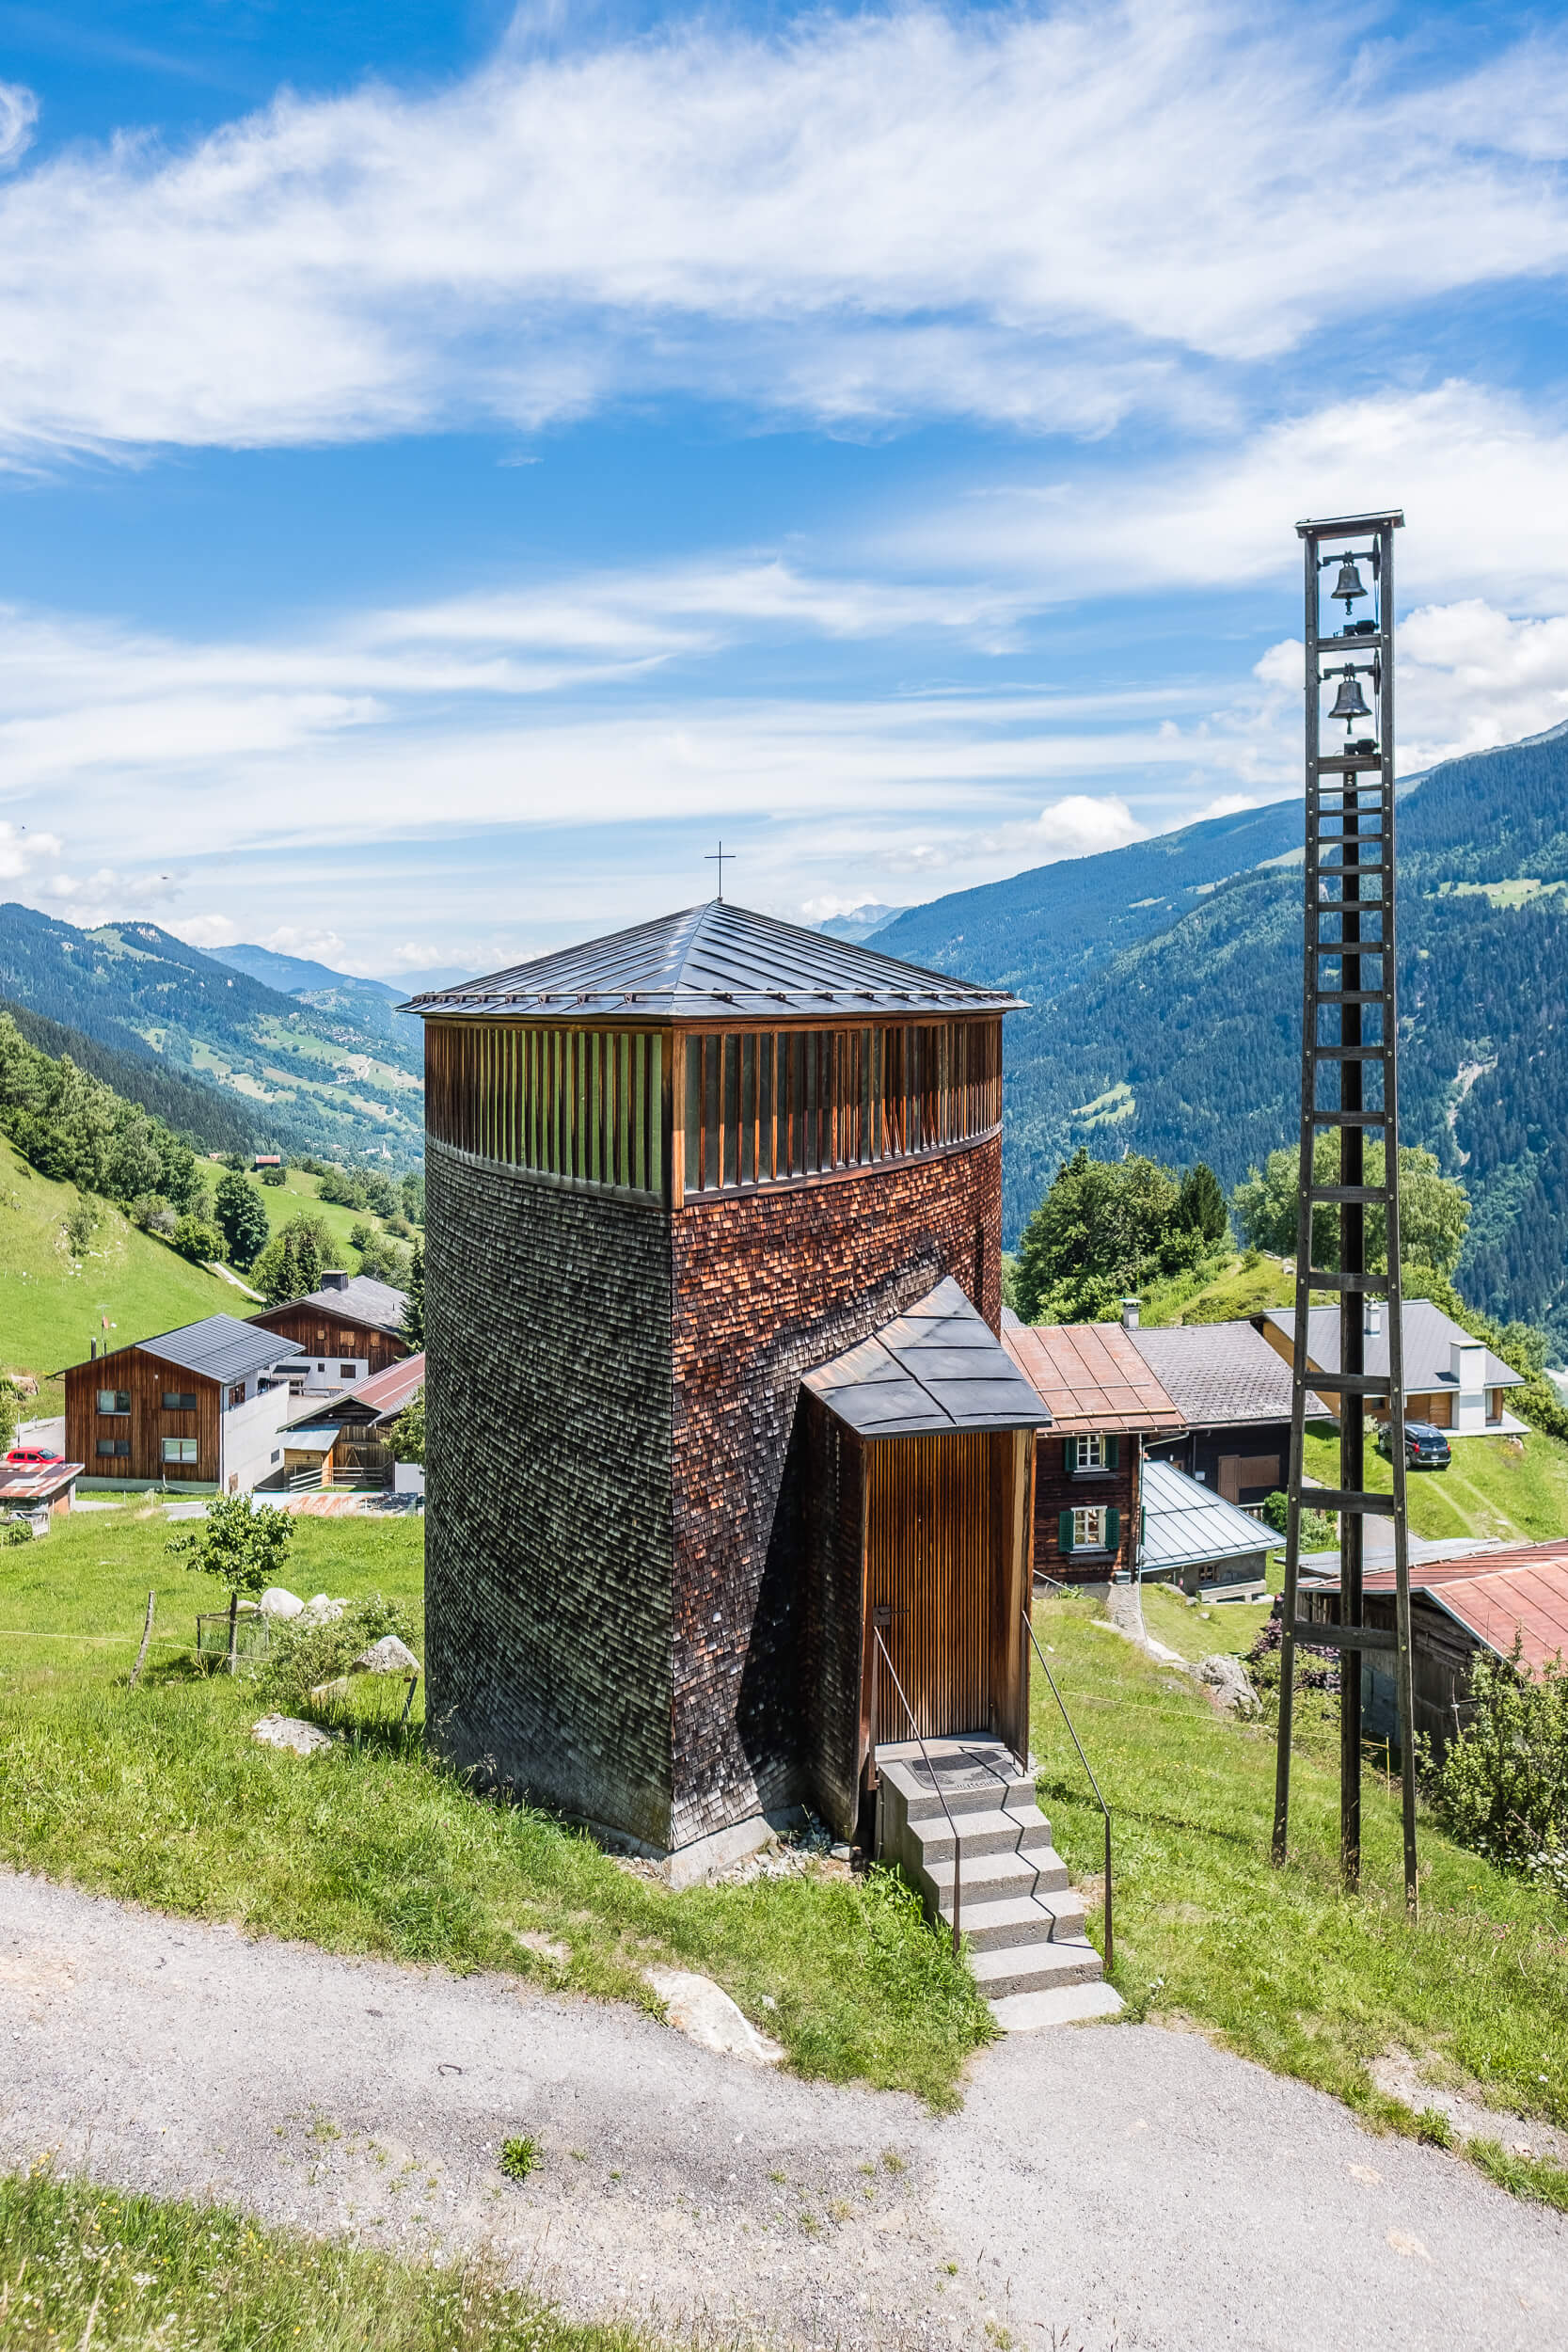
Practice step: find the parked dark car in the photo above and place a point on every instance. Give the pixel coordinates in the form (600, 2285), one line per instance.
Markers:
(1426, 1446)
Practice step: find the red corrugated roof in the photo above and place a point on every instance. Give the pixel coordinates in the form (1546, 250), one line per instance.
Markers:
(1495, 1594)
(389, 1389)
(1091, 1375)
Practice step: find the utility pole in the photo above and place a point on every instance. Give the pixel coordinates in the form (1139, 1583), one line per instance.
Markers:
(1350, 1035)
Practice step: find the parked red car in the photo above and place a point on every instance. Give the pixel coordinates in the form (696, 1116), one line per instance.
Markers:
(29, 1456)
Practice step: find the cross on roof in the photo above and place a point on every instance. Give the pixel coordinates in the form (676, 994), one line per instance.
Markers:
(720, 857)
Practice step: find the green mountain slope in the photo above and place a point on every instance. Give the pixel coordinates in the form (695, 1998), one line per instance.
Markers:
(371, 1004)
(217, 1123)
(1185, 1044)
(53, 1303)
(308, 1077)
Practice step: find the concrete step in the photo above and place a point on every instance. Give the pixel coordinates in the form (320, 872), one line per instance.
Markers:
(1062, 2005)
(988, 1875)
(994, 1926)
(1027, 1831)
(974, 1776)
(1013, 1968)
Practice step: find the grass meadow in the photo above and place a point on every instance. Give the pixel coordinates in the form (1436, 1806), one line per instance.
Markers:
(160, 1796)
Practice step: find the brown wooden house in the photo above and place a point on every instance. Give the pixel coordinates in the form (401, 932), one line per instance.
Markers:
(678, 1178)
(1104, 1403)
(351, 1328)
(195, 1406)
(344, 1440)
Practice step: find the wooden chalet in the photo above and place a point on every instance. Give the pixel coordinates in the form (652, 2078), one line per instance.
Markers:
(1461, 1605)
(343, 1333)
(200, 1406)
(1232, 1390)
(1104, 1405)
(1451, 1380)
(343, 1441)
(715, 1395)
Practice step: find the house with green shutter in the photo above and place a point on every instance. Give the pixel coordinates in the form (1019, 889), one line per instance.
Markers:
(1106, 1406)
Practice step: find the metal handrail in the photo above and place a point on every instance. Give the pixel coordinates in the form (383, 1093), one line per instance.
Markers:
(1110, 1930)
(876, 1637)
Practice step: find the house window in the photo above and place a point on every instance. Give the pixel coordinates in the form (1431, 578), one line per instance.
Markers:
(1091, 1456)
(110, 1447)
(236, 1394)
(113, 1400)
(178, 1400)
(179, 1449)
(346, 1372)
(1092, 1527)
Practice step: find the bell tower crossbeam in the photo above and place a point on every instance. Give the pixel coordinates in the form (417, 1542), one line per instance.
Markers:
(1349, 1143)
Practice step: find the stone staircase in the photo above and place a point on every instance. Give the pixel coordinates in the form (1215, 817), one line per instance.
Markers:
(1021, 1921)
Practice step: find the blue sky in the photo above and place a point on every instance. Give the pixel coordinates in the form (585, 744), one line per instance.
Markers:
(455, 462)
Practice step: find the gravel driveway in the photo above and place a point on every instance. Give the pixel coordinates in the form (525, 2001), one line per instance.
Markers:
(1107, 2185)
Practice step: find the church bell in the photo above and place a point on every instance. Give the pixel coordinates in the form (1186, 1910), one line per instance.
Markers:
(1348, 586)
(1350, 702)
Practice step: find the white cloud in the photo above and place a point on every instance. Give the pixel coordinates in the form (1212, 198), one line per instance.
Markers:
(206, 931)
(21, 850)
(316, 947)
(18, 113)
(1031, 216)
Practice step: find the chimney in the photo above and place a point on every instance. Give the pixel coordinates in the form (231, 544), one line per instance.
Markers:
(1372, 1322)
(1130, 1313)
(335, 1278)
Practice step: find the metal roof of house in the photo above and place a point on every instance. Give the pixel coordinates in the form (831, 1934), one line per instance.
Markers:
(1429, 1334)
(1221, 1374)
(219, 1347)
(712, 963)
(385, 1392)
(1091, 1375)
(1186, 1524)
(1494, 1596)
(935, 1368)
(37, 1482)
(360, 1299)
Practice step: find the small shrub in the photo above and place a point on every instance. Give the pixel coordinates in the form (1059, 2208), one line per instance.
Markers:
(304, 1656)
(1318, 1529)
(1503, 1787)
(196, 1240)
(16, 1531)
(1433, 2128)
(79, 1223)
(520, 2157)
(1317, 1669)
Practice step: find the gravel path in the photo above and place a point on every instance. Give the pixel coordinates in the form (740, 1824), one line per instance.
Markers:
(1103, 2186)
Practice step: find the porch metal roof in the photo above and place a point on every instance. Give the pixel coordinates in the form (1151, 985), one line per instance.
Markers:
(1186, 1523)
(935, 1368)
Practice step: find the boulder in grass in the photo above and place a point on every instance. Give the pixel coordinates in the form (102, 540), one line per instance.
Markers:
(387, 1656)
(287, 1732)
(320, 1610)
(278, 1603)
(1226, 1677)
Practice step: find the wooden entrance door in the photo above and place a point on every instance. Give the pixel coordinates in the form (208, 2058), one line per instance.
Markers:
(947, 1527)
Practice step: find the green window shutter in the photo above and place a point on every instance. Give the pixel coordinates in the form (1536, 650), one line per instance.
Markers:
(1113, 1528)
(1064, 1531)
(1070, 1456)
(1113, 1452)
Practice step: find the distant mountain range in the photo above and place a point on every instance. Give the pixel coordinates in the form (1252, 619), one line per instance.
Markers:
(331, 1069)
(1164, 988)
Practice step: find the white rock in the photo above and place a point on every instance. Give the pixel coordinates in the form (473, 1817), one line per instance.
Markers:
(387, 1656)
(278, 1603)
(287, 1732)
(704, 2011)
(1228, 1678)
(319, 1610)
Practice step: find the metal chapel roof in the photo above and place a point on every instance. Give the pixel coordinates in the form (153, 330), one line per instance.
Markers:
(935, 1368)
(709, 963)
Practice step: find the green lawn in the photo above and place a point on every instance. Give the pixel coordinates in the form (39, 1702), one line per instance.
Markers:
(161, 1796)
(299, 1193)
(1513, 1488)
(1282, 1965)
(1223, 1292)
(80, 2265)
(51, 1304)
